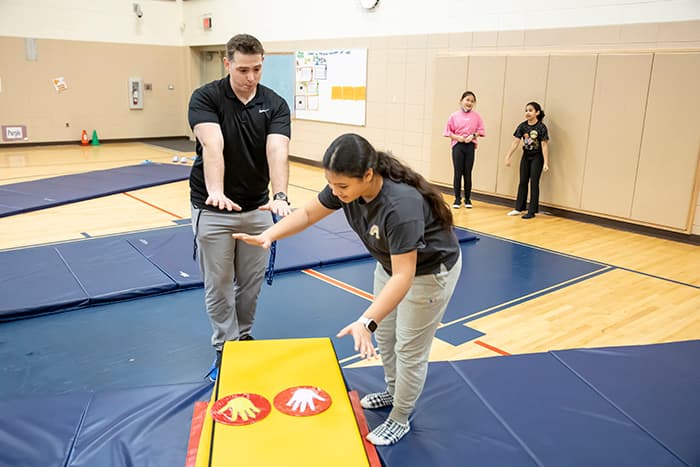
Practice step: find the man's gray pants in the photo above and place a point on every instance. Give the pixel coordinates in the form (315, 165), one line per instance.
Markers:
(232, 270)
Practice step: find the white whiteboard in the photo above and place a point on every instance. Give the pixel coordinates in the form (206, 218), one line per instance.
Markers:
(331, 85)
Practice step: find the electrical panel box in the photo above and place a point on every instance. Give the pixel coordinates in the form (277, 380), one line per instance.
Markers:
(135, 93)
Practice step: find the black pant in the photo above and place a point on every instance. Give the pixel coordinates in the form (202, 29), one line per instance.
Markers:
(530, 172)
(463, 162)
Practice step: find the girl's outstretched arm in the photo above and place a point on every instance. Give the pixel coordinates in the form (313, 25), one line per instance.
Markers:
(298, 220)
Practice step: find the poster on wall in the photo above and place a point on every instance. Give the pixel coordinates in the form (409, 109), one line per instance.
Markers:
(331, 85)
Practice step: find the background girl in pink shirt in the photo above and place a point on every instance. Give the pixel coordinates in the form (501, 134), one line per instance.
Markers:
(463, 127)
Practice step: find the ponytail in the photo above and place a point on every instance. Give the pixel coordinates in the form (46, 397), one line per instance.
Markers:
(390, 167)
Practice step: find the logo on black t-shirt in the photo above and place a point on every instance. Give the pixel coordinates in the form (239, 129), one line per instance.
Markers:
(374, 231)
(530, 140)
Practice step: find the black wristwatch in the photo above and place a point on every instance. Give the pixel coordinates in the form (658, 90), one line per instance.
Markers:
(281, 195)
(369, 323)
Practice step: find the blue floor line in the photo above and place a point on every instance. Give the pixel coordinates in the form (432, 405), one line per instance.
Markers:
(653, 276)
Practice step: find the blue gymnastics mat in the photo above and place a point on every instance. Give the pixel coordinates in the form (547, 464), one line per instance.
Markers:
(131, 427)
(22, 197)
(106, 269)
(621, 406)
(526, 410)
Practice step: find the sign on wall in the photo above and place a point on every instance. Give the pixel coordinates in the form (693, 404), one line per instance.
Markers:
(14, 133)
(331, 86)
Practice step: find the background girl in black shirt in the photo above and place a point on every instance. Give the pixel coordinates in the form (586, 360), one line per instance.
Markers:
(535, 137)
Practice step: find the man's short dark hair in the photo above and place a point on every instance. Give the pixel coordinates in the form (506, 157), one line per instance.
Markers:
(245, 44)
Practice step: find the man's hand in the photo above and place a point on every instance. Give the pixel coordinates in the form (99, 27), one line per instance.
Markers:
(219, 200)
(278, 206)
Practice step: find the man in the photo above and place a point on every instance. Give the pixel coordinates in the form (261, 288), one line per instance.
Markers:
(242, 130)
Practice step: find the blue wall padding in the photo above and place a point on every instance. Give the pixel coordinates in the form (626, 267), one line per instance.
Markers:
(131, 427)
(22, 197)
(639, 408)
(37, 280)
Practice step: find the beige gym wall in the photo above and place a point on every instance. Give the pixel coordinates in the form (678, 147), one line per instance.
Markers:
(97, 97)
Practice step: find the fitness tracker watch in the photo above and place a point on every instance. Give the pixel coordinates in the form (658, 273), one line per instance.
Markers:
(370, 324)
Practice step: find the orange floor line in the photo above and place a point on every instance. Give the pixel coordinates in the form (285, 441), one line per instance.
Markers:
(339, 284)
(492, 348)
(152, 205)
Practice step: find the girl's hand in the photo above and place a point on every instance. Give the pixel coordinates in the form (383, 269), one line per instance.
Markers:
(545, 167)
(507, 161)
(362, 338)
(468, 138)
(256, 240)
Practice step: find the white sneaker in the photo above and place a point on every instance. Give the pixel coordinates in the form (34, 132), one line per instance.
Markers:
(468, 205)
(514, 212)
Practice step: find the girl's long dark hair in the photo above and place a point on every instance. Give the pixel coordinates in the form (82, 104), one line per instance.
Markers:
(351, 155)
(538, 108)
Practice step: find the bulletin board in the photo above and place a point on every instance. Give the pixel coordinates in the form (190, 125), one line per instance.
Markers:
(331, 86)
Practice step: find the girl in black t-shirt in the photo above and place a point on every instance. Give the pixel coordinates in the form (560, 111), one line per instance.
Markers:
(406, 225)
(535, 138)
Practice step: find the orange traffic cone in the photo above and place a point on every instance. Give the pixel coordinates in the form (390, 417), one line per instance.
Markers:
(84, 139)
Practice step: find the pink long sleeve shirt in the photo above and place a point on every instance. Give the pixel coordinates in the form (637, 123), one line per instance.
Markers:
(463, 123)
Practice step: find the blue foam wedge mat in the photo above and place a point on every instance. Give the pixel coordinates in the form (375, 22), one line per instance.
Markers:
(22, 197)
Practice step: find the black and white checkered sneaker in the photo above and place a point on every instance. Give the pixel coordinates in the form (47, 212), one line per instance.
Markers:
(377, 400)
(388, 433)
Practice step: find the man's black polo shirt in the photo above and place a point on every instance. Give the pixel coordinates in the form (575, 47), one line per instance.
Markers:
(245, 129)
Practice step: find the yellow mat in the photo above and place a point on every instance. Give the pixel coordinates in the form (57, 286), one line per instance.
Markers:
(280, 403)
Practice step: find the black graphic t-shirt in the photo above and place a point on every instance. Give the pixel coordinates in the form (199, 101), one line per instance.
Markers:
(532, 137)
